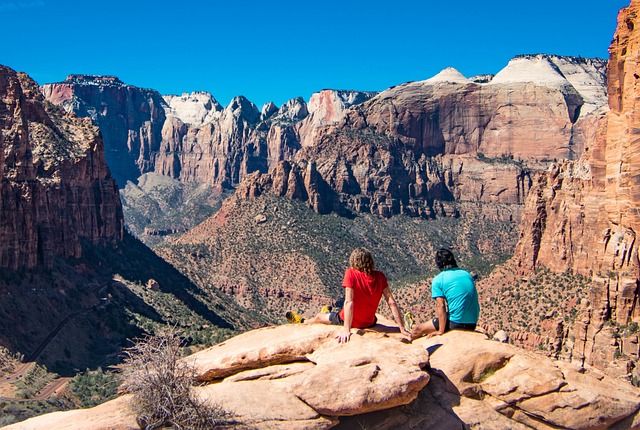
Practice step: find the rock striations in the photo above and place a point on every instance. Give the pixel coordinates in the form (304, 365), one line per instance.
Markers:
(190, 137)
(56, 188)
(419, 147)
(414, 149)
(583, 216)
(300, 377)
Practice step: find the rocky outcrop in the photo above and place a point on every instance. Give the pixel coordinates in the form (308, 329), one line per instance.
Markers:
(194, 109)
(328, 107)
(583, 216)
(481, 384)
(300, 377)
(316, 369)
(220, 152)
(56, 188)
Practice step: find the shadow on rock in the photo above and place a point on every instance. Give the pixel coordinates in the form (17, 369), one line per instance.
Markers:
(432, 410)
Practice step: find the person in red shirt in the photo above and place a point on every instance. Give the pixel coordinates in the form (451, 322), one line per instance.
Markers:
(364, 287)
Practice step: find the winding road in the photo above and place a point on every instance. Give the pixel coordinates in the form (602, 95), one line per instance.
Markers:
(7, 389)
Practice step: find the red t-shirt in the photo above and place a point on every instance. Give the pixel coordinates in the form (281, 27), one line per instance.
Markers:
(367, 292)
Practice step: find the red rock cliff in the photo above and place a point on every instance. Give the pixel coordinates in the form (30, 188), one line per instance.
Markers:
(585, 215)
(413, 149)
(130, 119)
(421, 147)
(56, 187)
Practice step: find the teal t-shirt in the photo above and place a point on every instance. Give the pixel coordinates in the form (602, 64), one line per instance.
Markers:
(457, 287)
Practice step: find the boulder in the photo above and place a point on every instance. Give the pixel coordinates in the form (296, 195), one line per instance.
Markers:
(501, 336)
(478, 383)
(373, 371)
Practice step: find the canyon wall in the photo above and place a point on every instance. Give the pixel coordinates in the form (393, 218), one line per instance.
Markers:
(583, 216)
(56, 187)
(413, 149)
(421, 147)
(130, 119)
(190, 137)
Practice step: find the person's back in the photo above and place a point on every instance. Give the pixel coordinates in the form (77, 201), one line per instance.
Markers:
(363, 286)
(456, 285)
(367, 292)
(457, 306)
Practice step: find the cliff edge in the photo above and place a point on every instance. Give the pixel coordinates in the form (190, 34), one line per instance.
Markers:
(300, 377)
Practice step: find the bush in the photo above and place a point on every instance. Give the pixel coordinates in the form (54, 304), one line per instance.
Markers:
(161, 384)
(94, 387)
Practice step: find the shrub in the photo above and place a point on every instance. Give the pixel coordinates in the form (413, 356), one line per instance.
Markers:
(161, 384)
(94, 387)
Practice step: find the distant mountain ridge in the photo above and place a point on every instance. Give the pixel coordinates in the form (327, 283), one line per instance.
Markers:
(420, 147)
(429, 143)
(189, 137)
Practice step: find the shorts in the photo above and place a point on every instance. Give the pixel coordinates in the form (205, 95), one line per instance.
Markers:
(453, 325)
(335, 319)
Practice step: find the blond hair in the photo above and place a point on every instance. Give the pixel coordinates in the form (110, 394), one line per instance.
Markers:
(362, 260)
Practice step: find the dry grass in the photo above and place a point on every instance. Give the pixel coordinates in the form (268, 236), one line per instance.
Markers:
(161, 384)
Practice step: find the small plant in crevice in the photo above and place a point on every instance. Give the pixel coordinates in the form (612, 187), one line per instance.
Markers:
(486, 374)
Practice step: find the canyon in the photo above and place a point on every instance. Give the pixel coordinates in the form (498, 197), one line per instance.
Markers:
(447, 148)
(71, 276)
(529, 175)
(413, 149)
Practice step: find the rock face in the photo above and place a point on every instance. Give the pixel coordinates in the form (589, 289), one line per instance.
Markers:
(412, 149)
(418, 147)
(326, 108)
(481, 384)
(194, 109)
(583, 216)
(130, 119)
(190, 137)
(300, 377)
(448, 114)
(56, 188)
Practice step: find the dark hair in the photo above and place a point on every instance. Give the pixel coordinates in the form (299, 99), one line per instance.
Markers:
(445, 259)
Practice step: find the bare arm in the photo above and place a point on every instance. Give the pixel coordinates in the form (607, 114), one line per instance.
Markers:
(441, 313)
(348, 316)
(395, 311)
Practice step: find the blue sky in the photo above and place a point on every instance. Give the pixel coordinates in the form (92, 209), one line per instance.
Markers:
(278, 50)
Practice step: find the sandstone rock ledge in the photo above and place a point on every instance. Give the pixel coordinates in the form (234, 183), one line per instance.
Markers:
(295, 376)
(477, 383)
(299, 377)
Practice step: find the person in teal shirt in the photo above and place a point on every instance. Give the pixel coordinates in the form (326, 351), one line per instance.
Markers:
(456, 298)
